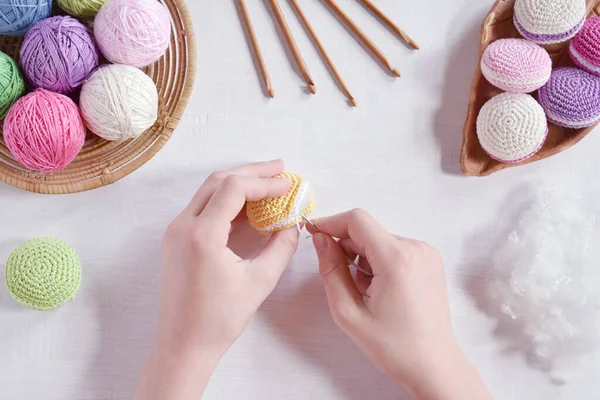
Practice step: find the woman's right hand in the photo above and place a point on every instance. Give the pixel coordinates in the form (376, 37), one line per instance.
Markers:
(400, 317)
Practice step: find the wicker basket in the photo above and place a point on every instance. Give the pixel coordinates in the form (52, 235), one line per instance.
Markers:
(499, 24)
(101, 162)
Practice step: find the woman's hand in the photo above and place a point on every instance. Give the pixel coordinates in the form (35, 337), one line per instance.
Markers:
(209, 293)
(400, 317)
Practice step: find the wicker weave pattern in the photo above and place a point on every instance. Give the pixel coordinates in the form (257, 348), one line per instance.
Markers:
(101, 163)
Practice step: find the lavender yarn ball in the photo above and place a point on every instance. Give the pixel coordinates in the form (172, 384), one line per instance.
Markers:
(58, 54)
(571, 98)
(17, 16)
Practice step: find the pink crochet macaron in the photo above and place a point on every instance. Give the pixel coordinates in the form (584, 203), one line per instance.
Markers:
(516, 65)
(585, 47)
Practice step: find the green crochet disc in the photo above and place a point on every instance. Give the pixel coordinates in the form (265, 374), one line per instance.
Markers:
(43, 274)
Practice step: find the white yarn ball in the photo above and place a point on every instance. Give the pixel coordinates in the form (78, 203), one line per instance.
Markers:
(512, 127)
(119, 102)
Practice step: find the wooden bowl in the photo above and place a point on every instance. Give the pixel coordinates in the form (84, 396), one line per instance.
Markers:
(497, 25)
(101, 162)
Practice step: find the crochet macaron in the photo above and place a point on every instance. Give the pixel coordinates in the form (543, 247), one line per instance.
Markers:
(571, 98)
(43, 274)
(585, 47)
(512, 127)
(549, 21)
(273, 215)
(516, 65)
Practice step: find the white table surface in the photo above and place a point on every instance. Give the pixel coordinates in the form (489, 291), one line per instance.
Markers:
(396, 155)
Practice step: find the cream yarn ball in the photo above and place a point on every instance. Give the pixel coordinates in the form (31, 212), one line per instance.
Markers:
(119, 102)
(512, 127)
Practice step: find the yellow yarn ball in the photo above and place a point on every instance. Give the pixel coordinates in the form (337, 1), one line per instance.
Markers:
(273, 215)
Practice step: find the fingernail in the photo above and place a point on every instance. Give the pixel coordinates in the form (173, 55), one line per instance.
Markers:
(320, 241)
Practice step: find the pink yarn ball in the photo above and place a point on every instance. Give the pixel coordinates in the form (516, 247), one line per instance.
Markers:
(44, 131)
(133, 32)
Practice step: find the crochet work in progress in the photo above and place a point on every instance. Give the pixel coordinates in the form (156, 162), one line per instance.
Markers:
(516, 65)
(43, 274)
(571, 98)
(512, 127)
(273, 215)
(549, 21)
(585, 47)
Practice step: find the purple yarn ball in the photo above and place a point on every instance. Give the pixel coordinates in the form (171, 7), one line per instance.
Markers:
(58, 54)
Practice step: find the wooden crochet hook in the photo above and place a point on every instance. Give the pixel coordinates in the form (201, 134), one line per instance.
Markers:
(363, 37)
(350, 262)
(390, 24)
(323, 52)
(257, 51)
(287, 33)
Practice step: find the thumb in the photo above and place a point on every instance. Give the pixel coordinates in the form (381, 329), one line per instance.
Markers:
(345, 301)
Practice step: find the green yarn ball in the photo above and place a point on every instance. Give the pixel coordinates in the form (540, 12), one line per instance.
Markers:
(81, 8)
(43, 274)
(12, 85)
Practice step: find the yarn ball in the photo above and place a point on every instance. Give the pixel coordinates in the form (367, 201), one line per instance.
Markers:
(549, 21)
(585, 47)
(133, 32)
(512, 127)
(273, 215)
(58, 54)
(44, 131)
(516, 65)
(119, 102)
(17, 16)
(43, 274)
(571, 98)
(81, 8)
(12, 85)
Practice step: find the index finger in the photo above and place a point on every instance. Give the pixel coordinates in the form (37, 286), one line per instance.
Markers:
(364, 230)
(234, 192)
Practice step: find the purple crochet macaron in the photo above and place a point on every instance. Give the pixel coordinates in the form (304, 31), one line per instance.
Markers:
(549, 21)
(571, 98)
(516, 65)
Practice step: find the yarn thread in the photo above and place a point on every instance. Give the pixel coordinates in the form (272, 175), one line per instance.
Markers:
(133, 32)
(44, 131)
(549, 21)
(58, 54)
(585, 47)
(81, 8)
(273, 215)
(516, 65)
(512, 127)
(571, 98)
(12, 85)
(18, 16)
(43, 274)
(119, 102)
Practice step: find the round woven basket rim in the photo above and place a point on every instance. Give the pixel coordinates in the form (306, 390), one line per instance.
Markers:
(103, 163)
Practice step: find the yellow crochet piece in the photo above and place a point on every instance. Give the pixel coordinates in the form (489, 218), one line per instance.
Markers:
(273, 215)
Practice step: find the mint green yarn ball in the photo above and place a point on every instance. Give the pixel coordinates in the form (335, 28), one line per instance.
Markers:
(12, 85)
(43, 274)
(81, 8)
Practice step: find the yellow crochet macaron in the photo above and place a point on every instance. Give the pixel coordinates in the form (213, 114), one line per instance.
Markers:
(273, 215)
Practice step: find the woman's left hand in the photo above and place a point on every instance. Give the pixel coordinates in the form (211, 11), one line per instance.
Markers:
(208, 292)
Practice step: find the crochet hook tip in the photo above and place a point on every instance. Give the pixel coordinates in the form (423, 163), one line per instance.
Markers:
(271, 93)
(396, 72)
(312, 88)
(352, 102)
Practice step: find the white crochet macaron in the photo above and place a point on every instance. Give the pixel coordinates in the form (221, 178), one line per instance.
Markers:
(549, 21)
(512, 127)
